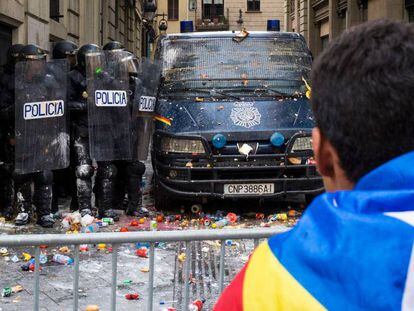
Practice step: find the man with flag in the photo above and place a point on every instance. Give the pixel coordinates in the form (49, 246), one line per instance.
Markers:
(353, 247)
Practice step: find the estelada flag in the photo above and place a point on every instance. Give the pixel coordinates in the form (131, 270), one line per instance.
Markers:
(352, 250)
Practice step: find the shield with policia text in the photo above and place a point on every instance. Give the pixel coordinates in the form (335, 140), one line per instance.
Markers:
(41, 128)
(145, 98)
(108, 110)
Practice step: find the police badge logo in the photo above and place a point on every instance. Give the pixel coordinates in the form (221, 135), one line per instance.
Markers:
(245, 114)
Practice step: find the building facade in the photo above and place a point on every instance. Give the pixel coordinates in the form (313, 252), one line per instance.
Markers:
(217, 15)
(319, 21)
(43, 22)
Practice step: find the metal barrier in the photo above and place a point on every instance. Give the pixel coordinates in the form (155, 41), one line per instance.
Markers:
(115, 239)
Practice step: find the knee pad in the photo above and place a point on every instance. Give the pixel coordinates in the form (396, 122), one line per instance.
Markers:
(107, 170)
(136, 169)
(44, 178)
(84, 171)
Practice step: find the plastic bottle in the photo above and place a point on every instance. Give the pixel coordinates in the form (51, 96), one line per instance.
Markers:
(220, 224)
(196, 305)
(62, 259)
(43, 258)
(94, 227)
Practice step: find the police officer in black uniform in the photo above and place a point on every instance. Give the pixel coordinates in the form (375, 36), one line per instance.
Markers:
(81, 160)
(7, 131)
(64, 180)
(42, 197)
(129, 173)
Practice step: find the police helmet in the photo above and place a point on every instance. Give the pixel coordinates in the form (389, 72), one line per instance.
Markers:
(62, 49)
(113, 46)
(86, 49)
(32, 51)
(14, 53)
(132, 63)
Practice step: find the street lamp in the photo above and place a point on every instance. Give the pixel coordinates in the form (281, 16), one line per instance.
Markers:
(149, 10)
(240, 20)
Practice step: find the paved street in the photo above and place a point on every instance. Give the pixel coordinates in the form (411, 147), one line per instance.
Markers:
(95, 265)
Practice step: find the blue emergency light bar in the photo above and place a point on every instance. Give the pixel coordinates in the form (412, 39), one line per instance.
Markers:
(186, 26)
(273, 25)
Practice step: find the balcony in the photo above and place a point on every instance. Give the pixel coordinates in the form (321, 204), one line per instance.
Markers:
(220, 23)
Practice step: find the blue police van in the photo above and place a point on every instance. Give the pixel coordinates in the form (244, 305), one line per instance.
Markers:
(233, 117)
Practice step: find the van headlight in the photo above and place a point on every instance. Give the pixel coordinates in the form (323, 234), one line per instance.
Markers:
(176, 145)
(302, 144)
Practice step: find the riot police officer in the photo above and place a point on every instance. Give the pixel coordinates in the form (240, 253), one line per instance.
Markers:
(64, 180)
(43, 180)
(65, 49)
(129, 173)
(81, 160)
(7, 131)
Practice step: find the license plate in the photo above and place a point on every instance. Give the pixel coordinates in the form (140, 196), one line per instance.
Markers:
(243, 189)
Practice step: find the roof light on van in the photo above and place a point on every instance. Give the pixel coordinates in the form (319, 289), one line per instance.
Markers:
(277, 139)
(273, 25)
(186, 26)
(219, 141)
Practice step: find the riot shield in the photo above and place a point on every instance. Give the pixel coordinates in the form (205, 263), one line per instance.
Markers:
(108, 110)
(41, 130)
(145, 98)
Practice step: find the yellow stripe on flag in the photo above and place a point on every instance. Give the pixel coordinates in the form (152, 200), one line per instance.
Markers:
(269, 286)
(163, 120)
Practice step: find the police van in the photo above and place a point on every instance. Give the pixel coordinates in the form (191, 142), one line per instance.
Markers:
(233, 117)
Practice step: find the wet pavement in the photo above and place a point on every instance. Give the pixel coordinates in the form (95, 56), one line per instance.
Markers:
(56, 280)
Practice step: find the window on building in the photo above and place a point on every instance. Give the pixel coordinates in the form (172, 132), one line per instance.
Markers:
(54, 10)
(173, 9)
(5, 42)
(324, 42)
(292, 6)
(213, 9)
(253, 5)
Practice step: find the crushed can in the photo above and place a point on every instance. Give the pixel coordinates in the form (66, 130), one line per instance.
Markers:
(7, 292)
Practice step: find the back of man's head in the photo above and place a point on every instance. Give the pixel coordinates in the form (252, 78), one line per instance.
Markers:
(363, 95)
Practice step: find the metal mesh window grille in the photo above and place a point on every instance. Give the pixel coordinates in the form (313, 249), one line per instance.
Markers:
(223, 63)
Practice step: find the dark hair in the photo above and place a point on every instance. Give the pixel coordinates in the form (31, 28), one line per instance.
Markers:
(363, 95)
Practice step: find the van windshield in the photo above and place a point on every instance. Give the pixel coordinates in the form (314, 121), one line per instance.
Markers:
(257, 64)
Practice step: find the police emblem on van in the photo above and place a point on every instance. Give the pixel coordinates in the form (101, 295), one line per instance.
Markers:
(245, 114)
(46, 109)
(111, 98)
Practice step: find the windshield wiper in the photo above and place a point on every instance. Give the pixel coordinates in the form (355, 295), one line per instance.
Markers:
(212, 93)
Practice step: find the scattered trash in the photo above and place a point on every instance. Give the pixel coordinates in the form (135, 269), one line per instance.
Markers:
(123, 229)
(153, 225)
(127, 282)
(134, 223)
(4, 251)
(220, 224)
(160, 218)
(7, 292)
(108, 220)
(15, 259)
(87, 220)
(92, 308)
(17, 288)
(26, 256)
(133, 296)
(83, 248)
(62, 259)
(232, 218)
(144, 269)
(196, 305)
(64, 250)
(142, 252)
(101, 246)
(181, 257)
(260, 216)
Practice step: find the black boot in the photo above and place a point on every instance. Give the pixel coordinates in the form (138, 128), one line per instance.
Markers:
(43, 198)
(105, 190)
